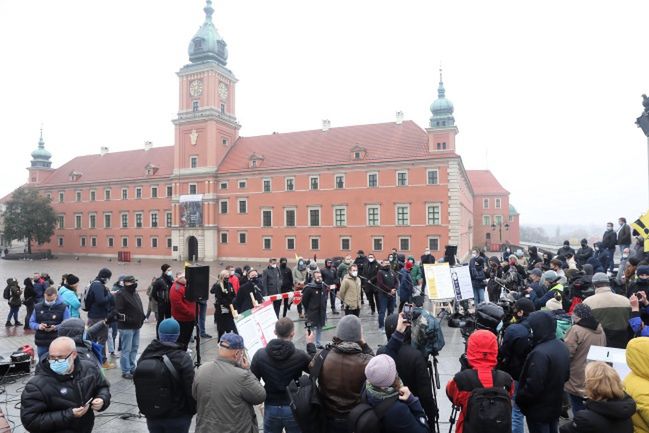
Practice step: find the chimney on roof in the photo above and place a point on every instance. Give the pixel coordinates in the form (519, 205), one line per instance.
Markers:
(148, 145)
(399, 117)
(326, 124)
(103, 151)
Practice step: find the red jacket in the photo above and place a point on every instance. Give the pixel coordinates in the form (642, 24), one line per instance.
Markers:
(234, 280)
(482, 354)
(181, 309)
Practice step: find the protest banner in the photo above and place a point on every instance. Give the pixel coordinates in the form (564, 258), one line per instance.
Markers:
(611, 355)
(444, 282)
(257, 327)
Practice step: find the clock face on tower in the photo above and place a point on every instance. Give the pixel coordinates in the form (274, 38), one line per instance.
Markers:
(223, 91)
(196, 88)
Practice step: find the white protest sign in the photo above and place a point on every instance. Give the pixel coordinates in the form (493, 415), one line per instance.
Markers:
(461, 277)
(438, 281)
(612, 355)
(257, 327)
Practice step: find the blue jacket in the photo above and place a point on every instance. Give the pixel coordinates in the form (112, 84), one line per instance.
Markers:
(99, 300)
(33, 324)
(514, 348)
(70, 298)
(39, 288)
(635, 322)
(405, 285)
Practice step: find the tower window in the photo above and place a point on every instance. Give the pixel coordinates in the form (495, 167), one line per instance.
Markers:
(193, 161)
(222, 108)
(194, 106)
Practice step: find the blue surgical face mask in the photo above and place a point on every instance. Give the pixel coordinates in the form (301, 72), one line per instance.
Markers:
(50, 303)
(61, 366)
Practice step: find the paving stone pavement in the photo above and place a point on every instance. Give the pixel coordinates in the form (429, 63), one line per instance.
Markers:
(122, 415)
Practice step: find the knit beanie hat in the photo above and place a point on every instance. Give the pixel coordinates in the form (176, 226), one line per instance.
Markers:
(381, 371)
(71, 279)
(169, 331)
(583, 311)
(349, 328)
(642, 270)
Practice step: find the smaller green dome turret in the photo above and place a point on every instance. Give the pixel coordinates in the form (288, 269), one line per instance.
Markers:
(442, 109)
(207, 44)
(41, 157)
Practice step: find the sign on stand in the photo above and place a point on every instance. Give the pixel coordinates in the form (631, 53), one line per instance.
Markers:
(444, 282)
(257, 327)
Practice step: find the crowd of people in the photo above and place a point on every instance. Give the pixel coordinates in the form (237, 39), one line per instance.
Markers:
(529, 366)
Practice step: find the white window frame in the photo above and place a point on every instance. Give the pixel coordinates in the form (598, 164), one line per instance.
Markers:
(157, 219)
(375, 238)
(428, 239)
(431, 170)
(141, 215)
(139, 242)
(154, 239)
(223, 185)
(78, 196)
(193, 161)
(78, 221)
(348, 239)
(317, 178)
(122, 243)
(405, 238)
(59, 241)
(396, 214)
(245, 234)
(367, 214)
(242, 184)
(486, 220)
(138, 192)
(485, 203)
(93, 192)
(498, 219)
(377, 179)
(194, 186)
(168, 220)
(263, 243)
(263, 184)
(121, 220)
(336, 176)
(124, 194)
(245, 200)
(157, 191)
(82, 242)
(107, 194)
(93, 241)
(90, 225)
(336, 208)
(286, 179)
(227, 238)
(61, 196)
(498, 203)
(314, 238)
(167, 190)
(308, 215)
(109, 240)
(294, 243)
(261, 215)
(294, 209)
(60, 222)
(227, 206)
(397, 177)
(169, 243)
(428, 221)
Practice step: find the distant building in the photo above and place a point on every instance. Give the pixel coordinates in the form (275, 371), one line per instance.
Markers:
(214, 194)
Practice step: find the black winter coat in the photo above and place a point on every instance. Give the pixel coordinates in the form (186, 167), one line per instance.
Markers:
(329, 276)
(624, 235)
(514, 349)
(583, 254)
(48, 398)
(242, 301)
(160, 292)
(609, 240)
(314, 301)
(271, 281)
(287, 278)
(546, 370)
(182, 361)
(128, 303)
(223, 296)
(278, 364)
(605, 416)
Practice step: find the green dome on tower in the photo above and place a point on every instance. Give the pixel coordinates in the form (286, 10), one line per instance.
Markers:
(207, 44)
(442, 109)
(41, 157)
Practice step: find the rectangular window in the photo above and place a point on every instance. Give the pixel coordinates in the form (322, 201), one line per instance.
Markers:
(110, 242)
(154, 219)
(243, 237)
(433, 214)
(498, 203)
(223, 206)
(224, 237)
(377, 244)
(267, 243)
(511, 218)
(315, 243)
(193, 161)
(243, 205)
(290, 183)
(402, 178)
(60, 241)
(340, 181)
(340, 216)
(242, 184)
(154, 192)
(314, 182)
(194, 106)
(138, 192)
(433, 243)
(61, 222)
(169, 243)
(168, 219)
(345, 244)
(266, 185)
(403, 215)
(82, 241)
(290, 243)
(486, 220)
(432, 177)
(61, 196)
(372, 180)
(107, 194)
(289, 217)
(404, 244)
(192, 188)
(154, 242)
(93, 195)
(314, 217)
(124, 220)
(485, 203)
(138, 242)
(124, 193)
(170, 190)
(266, 218)
(223, 185)
(138, 220)
(78, 196)
(92, 221)
(373, 218)
(498, 220)
(93, 241)
(77, 221)
(107, 220)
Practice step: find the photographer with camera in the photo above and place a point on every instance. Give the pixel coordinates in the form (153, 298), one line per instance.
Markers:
(314, 300)
(130, 317)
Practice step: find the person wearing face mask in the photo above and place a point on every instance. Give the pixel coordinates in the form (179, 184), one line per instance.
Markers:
(68, 294)
(64, 393)
(361, 262)
(584, 253)
(641, 283)
(286, 275)
(369, 282)
(223, 296)
(161, 294)
(343, 268)
(300, 274)
(387, 283)
(608, 244)
(47, 316)
(330, 279)
(243, 301)
(226, 391)
(478, 277)
(350, 292)
(182, 310)
(314, 299)
(271, 283)
(130, 317)
(623, 234)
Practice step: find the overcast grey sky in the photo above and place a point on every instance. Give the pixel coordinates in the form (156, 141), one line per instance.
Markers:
(545, 93)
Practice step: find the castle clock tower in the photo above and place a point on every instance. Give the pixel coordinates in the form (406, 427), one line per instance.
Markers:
(205, 129)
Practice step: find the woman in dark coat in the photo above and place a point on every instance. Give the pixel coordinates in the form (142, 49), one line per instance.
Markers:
(224, 295)
(30, 299)
(314, 301)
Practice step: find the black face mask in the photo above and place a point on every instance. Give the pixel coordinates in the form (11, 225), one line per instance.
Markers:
(282, 265)
(385, 267)
(328, 265)
(132, 287)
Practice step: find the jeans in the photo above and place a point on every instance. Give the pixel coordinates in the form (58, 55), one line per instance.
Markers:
(169, 425)
(518, 419)
(130, 339)
(318, 335)
(478, 295)
(13, 312)
(278, 418)
(543, 426)
(30, 310)
(112, 336)
(577, 404)
(385, 303)
(202, 313)
(41, 350)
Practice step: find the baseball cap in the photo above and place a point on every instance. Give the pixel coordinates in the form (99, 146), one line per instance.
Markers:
(231, 341)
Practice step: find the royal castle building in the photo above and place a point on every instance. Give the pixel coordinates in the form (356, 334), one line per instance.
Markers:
(326, 192)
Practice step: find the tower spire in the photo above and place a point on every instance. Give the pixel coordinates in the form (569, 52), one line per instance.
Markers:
(41, 157)
(442, 109)
(441, 91)
(207, 44)
(209, 10)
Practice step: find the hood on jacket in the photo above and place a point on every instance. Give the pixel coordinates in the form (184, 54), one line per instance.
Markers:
(482, 350)
(73, 328)
(158, 348)
(637, 356)
(533, 251)
(615, 409)
(279, 349)
(543, 326)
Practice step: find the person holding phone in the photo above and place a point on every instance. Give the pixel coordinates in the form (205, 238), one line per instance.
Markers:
(130, 317)
(47, 316)
(64, 392)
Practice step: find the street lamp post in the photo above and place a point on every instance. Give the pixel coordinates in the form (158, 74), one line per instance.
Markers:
(500, 229)
(643, 123)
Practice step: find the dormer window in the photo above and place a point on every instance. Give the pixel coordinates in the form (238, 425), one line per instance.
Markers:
(75, 176)
(255, 160)
(198, 44)
(150, 169)
(358, 153)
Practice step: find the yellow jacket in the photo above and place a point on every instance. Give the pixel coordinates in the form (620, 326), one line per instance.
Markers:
(636, 384)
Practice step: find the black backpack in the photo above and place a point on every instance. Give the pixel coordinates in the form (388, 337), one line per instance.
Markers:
(305, 401)
(157, 387)
(7, 293)
(367, 419)
(488, 409)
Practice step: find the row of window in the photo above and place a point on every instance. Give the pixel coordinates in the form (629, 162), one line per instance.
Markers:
(153, 193)
(432, 178)
(108, 220)
(497, 203)
(497, 220)
(110, 242)
(340, 214)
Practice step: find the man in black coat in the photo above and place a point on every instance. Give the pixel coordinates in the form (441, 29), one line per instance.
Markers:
(368, 281)
(243, 301)
(64, 392)
(411, 365)
(623, 235)
(287, 282)
(160, 293)
(584, 253)
(314, 301)
(130, 317)
(271, 283)
(330, 278)
(609, 241)
(361, 262)
(546, 370)
(565, 250)
(278, 364)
